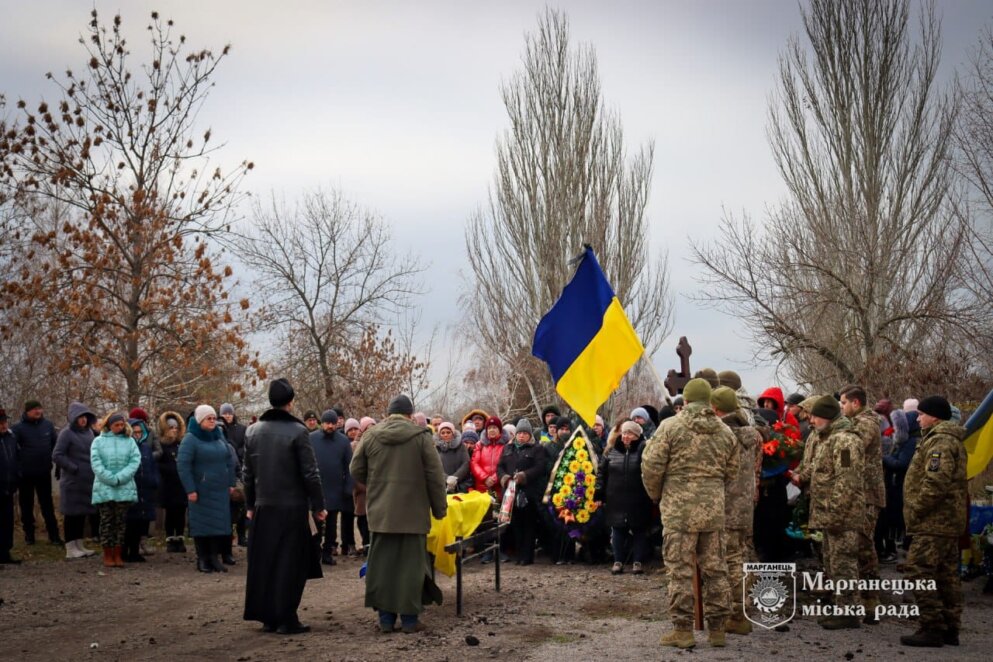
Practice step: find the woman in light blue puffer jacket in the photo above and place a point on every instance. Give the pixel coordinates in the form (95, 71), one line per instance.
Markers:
(115, 459)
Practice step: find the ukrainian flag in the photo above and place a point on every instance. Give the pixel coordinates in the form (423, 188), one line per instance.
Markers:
(979, 437)
(587, 340)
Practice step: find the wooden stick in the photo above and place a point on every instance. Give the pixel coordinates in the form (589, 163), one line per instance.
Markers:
(697, 598)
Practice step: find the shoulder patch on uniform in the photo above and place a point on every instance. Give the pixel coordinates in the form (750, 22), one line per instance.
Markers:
(934, 464)
(846, 458)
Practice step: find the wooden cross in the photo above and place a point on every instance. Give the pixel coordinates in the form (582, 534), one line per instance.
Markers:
(675, 381)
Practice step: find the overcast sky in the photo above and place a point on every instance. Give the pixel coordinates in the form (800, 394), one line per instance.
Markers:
(397, 104)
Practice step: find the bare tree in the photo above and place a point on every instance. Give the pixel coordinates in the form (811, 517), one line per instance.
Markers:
(122, 201)
(563, 179)
(326, 270)
(860, 266)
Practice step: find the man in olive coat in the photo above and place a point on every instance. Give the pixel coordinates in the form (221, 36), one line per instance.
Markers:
(405, 485)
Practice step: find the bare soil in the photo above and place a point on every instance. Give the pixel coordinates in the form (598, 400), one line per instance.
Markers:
(163, 609)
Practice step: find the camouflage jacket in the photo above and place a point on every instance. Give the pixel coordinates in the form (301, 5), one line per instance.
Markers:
(837, 479)
(866, 423)
(687, 467)
(806, 466)
(934, 491)
(739, 499)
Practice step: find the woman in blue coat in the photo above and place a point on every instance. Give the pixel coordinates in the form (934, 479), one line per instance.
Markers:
(207, 472)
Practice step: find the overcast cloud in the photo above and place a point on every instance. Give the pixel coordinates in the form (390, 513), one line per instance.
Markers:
(397, 104)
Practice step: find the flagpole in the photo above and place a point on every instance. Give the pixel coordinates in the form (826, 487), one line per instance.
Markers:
(658, 377)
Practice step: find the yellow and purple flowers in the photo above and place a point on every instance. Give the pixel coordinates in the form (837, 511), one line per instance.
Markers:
(571, 490)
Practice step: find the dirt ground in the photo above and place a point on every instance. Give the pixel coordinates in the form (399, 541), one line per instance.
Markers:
(163, 609)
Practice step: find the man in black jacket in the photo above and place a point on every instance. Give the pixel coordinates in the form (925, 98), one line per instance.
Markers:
(8, 485)
(282, 487)
(35, 443)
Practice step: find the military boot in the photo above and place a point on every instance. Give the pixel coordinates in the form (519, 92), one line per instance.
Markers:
(840, 622)
(923, 638)
(951, 637)
(738, 625)
(679, 639)
(870, 611)
(717, 639)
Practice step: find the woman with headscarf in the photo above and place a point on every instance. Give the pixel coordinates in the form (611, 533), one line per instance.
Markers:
(115, 458)
(359, 491)
(627, 508)
(454, 459)
(207, 471)
(172, 496)
(72, 457)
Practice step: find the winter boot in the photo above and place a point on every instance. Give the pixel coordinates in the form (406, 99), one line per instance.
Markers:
(203, 562)
(146, 548)
(679, 639)
(180, 544)
(215, 545)
(73, 551)
(737, 625)
(86, 551)
(108, 557)
(717, 639)
(171, 546)
(226, 548)
(870, 617)
(118, 561)
(923, 638)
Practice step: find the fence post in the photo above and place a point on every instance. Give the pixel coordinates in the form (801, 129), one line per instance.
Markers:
(458, 577)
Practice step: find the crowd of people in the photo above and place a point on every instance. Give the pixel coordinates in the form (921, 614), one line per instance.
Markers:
(690, 480)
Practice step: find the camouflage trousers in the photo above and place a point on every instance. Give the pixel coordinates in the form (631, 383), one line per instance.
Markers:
(868, 559)
(841, 549)
(680, 549)
(112, 516)
(936, 558)
(738, 551)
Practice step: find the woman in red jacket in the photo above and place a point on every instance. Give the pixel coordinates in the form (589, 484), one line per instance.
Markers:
(487, 456)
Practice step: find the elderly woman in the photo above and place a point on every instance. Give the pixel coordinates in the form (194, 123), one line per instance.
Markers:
(208, 475)
(454, 459)
(627, 508)
(146, 481)
(172, 496)
(523, 461)
(359, 491)
(115, 459)
(72, 456)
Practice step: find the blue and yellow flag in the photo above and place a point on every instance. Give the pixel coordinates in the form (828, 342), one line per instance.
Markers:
(587, 340)
(979, 437)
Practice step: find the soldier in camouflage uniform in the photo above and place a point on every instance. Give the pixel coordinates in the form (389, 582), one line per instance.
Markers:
(687, 467)
(935, 512)
(739, 502)
(801, 475)
(837, 501)
(867, 424)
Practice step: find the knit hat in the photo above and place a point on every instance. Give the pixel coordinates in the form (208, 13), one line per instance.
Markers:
(338, 410)
(227, 408)
(447, 426)
(366, 423)
(710, 375)
(826, 407)
(400, 404)
(678, 400)
(524, 425)
(202, 412)
(724, 399)
(937, 406)
(139, 413)
(729, 378)
(31, 404)
(470, 435)
(640, 411)
(631, 426)
(351, 424)
(510, 429)
(910, 404)
(563, 422)
(550, 409)
(280, 393)
(598, 421)
(697, 390)
(172, 423)
(468, 425)
(330, 416)
(808, 403)
(493, 420)
(795, 399)
(653, 413)
(309, 414)
(114, 418)
(883, 407)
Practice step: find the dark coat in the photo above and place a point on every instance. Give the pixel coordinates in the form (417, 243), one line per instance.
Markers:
(72, 456)
(620, 488)
(35, 444)
(280, 466)
(9, 468)
(205, 467)
(235, 433)
(455, 461)
(532, 460)
(334, 454)
(171, 492)
(147, 480)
